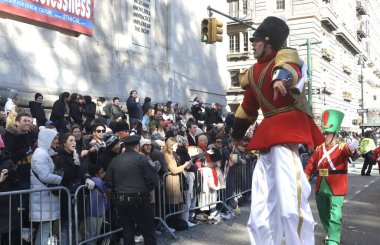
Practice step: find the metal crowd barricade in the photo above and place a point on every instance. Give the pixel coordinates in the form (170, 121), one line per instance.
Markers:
(95, 216)
(96, 220)
(180, 200)
(238, 181)
(19, 225)
(159, 206)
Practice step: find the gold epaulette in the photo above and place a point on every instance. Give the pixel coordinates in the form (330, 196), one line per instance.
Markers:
(287, 55)
(244, 78)
(283, 58)
(342, 144)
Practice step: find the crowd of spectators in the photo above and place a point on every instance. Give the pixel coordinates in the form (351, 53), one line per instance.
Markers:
(191, 150)
(75, 144)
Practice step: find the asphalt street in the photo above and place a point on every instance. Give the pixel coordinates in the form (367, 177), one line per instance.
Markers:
(361, 219)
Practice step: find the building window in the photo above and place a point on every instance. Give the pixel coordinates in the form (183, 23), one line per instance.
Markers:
(280, 4)
(246, 43)
(234, 9)
(234, 43)
(231, 44)
(235, 78)
(245, 6)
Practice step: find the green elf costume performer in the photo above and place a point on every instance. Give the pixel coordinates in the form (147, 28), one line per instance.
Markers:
(330, 160)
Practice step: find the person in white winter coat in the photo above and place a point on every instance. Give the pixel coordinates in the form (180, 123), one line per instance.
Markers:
(44, 206)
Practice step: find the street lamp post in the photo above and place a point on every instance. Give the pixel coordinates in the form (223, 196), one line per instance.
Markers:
(361, 63)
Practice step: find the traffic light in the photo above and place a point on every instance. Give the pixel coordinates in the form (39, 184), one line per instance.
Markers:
(206, 30)
(216, 31)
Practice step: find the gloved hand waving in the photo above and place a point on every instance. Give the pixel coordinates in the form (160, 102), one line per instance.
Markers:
(90, 184)
(353, 146)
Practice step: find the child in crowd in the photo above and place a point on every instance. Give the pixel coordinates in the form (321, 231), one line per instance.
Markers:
(98, 202)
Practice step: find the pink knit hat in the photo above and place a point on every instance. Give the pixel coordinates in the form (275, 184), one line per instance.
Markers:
(1, 142)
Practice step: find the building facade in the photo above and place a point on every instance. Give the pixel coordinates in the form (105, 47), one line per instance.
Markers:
(152, 46)
(339, 33)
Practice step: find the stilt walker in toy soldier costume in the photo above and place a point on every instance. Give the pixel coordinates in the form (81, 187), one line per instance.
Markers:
(275, 84)
(331, 161)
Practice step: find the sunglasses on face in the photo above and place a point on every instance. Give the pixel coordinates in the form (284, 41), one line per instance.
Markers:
(219, 141)
(100, 131)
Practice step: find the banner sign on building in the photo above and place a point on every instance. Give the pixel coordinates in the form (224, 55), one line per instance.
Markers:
(75, 15)
(142, 22)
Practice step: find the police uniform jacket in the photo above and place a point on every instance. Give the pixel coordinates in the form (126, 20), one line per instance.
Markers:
(131, 173)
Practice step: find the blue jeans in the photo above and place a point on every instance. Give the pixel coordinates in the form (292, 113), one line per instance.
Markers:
(93, 226)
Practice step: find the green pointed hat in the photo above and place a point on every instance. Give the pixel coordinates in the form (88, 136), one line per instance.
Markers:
(331, 121)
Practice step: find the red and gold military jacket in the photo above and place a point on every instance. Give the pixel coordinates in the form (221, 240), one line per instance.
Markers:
(376, 155)
(335, 159)
(287, 125)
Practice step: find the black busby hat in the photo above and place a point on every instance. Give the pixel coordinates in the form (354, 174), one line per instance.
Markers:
(273, 30)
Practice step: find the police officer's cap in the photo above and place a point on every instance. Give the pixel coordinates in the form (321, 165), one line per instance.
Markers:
(132, 140)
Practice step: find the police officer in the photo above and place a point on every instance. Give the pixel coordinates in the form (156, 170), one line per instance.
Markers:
(131, 178)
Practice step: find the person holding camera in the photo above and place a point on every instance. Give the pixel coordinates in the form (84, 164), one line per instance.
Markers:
(96, 144)
(44, 206)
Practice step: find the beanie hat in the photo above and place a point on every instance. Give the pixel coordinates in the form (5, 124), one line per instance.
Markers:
(110, 140)
(157, 136)
(144, 142)
(120, 114)
(273, 30)
(49, 122)
(12, 93)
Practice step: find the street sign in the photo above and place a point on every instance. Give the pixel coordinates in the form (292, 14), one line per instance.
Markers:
(316, 91)
(362, 110)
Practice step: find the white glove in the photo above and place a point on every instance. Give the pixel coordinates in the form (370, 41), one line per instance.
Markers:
(90, 184)
(353, 146)
(3, 175)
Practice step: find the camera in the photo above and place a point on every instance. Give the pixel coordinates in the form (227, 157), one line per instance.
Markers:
(96, 145)
(199, 157)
